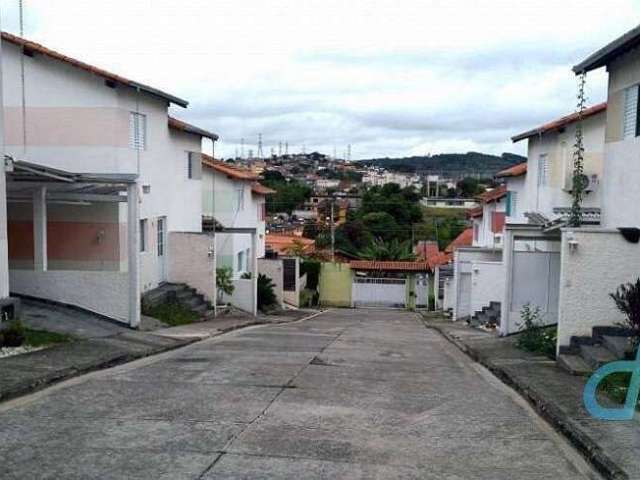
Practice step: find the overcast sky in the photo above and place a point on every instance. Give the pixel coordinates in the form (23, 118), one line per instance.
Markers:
(390, 77)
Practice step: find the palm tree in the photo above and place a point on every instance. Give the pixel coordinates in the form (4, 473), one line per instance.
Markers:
(393, 250)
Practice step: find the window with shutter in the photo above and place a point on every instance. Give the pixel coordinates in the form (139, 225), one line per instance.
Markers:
(543, 169)
(630, 120)
(137, 131)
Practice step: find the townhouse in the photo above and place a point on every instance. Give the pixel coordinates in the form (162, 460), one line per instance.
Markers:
(103, 187)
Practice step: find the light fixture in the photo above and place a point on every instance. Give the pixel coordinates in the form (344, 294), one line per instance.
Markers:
(572, 241)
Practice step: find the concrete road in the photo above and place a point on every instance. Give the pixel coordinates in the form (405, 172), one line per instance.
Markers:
(348, 394)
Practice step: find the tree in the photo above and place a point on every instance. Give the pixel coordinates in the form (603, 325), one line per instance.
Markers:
(224, 282)
(393, 250)
(266, 294)
(381, 225)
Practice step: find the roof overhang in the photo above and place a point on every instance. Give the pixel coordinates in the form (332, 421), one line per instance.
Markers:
(609, 52)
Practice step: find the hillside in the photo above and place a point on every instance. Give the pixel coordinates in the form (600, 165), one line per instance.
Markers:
(454, 164)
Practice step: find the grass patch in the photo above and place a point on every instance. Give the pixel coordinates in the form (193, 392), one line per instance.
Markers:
(539, 340)
(430, 212)
(615, 386)
(41, 338)
(173, 314)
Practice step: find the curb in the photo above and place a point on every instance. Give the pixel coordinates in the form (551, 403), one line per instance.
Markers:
(548, 410)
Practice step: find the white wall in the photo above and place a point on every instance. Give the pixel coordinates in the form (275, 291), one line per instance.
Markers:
(517, 186)
(462, 277)
(448, 302)
(106, 293)
(487, 284)
(191, 262)
(243, 296)
(602, 261)
(272, 268)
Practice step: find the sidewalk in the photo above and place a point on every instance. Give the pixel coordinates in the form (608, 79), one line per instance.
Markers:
(612, 447)
(23, 374)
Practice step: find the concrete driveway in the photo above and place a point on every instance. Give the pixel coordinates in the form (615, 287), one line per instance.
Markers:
(348, 394)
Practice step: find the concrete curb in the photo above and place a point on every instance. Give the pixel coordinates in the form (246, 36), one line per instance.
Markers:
(547, 409)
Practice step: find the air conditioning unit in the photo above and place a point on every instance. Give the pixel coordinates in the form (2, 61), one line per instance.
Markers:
(589, 181)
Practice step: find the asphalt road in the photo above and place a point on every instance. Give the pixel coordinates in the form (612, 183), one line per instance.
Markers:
(348, 394)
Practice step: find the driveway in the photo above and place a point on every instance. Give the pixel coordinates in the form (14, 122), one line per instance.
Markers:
(348, 394)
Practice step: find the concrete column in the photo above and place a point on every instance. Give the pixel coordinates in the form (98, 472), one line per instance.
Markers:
(133, 254)
(4, 244)
(507, 262)
(40, 230)
(410, 300)
(254, 270)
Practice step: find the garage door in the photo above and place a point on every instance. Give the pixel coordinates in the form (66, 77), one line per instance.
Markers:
(379, 292)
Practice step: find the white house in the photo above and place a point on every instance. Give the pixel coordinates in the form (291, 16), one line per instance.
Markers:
(233, 198)
(532, 253)
(71, 245)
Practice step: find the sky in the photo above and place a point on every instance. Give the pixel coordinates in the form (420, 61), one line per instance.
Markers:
(388, 77)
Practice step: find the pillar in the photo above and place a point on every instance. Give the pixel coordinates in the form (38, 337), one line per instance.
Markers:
(40, 229)
(254, 270)
(133, 254)
(507, 262)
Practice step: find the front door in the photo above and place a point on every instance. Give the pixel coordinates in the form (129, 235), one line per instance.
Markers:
(161, 249)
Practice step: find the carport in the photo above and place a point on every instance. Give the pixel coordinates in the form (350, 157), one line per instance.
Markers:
(73, 238)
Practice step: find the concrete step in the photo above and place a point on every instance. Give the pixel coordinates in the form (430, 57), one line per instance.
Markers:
(573, 364)
(616, 345)
(596, 355)
(193, 302)
(202, 309)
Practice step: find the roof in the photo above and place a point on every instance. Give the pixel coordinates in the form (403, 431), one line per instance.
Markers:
(474, 212)
(188, 128)
(561, 122)
(609, 52)
(493, 195)
(465, 239)
(284, 243)
(389, 266)
(41, 49)
(229, 169)
(515, 171)
(426, 249)
(260, 189)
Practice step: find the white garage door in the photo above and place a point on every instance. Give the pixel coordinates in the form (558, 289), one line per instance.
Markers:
(379, 292)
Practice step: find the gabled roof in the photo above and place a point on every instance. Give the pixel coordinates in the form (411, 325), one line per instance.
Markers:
(389, 266)
(609, 52)
(260, 189)
(229, 169)
(188, 128)
(561, 122)
(465, 239)
(493, 195)
(515, 171)
(41, 49)
(284, 243)
(474, 212)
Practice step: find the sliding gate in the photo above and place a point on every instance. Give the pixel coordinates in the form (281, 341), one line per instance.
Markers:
(378, 292)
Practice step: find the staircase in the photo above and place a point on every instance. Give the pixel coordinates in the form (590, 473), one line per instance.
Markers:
(489, 316)
(585, 354)
(181, 293)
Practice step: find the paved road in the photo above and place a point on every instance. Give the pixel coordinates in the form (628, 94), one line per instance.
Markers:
(348, 394)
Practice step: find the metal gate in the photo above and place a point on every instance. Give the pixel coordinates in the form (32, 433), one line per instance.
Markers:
(379, 292)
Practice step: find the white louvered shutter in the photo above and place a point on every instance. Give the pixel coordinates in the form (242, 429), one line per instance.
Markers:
(137, 131)
(543, 169)
(630, 113)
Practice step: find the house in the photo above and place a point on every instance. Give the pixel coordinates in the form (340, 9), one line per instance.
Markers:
(538, 208)
(233, 199)
(104, 192)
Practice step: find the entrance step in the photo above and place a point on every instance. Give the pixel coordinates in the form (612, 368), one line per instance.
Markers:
(574, 364)
(596, 355)
(616, 345)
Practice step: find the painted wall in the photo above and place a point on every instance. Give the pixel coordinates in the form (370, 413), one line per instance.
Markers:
(517, 186)
(487, 284)
(448, 302)
(293, 297)
(106, 293)
(77, 123)
(243, 296)
(335, 285)
(191, 261)
(272, 268)
(486, 237)
(464, 258)
(558, 147)
(602, 261)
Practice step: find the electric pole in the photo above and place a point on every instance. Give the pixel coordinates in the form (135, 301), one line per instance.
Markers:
(333, 235)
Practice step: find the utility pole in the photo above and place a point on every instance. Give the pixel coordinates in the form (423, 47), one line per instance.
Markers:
(260, 154)
(333, 235)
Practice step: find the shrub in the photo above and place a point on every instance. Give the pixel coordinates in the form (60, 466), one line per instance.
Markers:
(266, 295)
(535, 337)
(627, 300)
(224, 282)
(312, 269)
(14, 334)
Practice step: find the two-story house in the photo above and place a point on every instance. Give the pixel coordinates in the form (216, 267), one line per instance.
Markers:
(82, 245)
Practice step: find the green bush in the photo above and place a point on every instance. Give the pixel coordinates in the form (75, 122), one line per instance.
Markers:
(266, 294)
(535, 337)
(172, 313)
(14, 334)
(312, 269)
(627, 300)
(224, 282)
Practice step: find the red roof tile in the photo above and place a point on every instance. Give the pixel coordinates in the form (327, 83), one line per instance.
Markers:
(493, 195)
(41, 49)
(260, 189)
(474, 212)
(389, 266)
(228, 169)
(465, 239)
(561, 122)
(515, 171)
(188, 128)
(283, 244)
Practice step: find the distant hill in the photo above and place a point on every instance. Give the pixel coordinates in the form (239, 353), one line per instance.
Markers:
(451, 164)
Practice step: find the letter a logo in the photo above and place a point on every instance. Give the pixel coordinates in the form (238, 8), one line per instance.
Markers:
(589, 395)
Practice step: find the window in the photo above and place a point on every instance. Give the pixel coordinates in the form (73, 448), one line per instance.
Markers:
(189, 167)
(240, 195)
(194, 166)
(512, 203)
(143, 235)
(630, 119)
(241, 262)
(476, 232)
(543, 170)
(137, 131)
